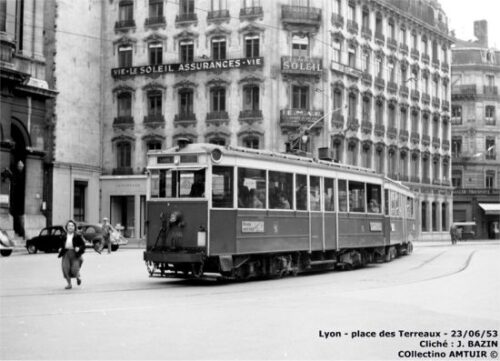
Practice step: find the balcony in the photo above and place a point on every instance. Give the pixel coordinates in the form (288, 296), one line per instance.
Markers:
(155, 21)
(123, 122)
(415, 54)
(154, 120)
(379, 130)
(337, 20)
(125, 24)
(393, 176)
(464, 92)
(392, 132)
(345, 69)
(403, 135)
(426, 180)
(446, 144)
(366, 78)
(301, 15)
(392, 43)
(415, 179)
(415, 95)
(436, 102)
(425, 58)
(490, 156)
(415, 137)
(392, 87)
(456, 121)
(379, 39)
(217, 118)
(122, 171)
(218, 15)
(379, 82)
(366, 32)
(435, 63)
(436, 182)
(337, 121)
(301, 65)
(293, 119)
(489, 121)
(403, 49)
(436, 142)
(445, 105)
(352, 124)
(445, 67)
(445, 182)
(184, 119)
(426, 98)
(366, 126)
(403, 177)
(186, 19)
(490, 90)
(250, 115)
(403, 91)
(251, 12)
(352, 26)
(426, 140)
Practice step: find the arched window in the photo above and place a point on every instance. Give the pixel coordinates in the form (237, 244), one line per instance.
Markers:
(123, 154)
(251, 142)
(124, 104)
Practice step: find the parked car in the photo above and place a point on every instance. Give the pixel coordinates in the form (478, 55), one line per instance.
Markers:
(6, 244)
(93, 235)
(49, 240)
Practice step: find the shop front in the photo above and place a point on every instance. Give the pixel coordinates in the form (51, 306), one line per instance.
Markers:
(123, 201)
(481, 206)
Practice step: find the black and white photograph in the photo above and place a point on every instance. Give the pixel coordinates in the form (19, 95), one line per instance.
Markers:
(249, 180)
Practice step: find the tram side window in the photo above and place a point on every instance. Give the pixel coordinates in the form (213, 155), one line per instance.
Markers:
(395, 205)
(356, 197)
(251, 188)
(222, 187)
(342, 196)
(314, 194)
(166, 183)
(301, 191)
(280, 190)
(374, 197)
(409, 207)
(386, 201)
(329, 195)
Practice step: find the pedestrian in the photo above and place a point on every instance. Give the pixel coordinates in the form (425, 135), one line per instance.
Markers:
(454, 233)
(71, 251)
(106, 233)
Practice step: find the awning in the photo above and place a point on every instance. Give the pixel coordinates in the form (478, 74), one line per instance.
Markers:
(490, 208)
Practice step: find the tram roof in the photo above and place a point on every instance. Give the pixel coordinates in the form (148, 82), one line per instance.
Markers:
(206, 148)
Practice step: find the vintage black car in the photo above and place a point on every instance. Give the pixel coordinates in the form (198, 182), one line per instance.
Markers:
(49, 240)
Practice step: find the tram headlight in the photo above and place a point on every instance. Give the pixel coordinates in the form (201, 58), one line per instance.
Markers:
(216, 155)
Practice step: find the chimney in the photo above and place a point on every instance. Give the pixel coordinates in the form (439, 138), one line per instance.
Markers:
(481, 32)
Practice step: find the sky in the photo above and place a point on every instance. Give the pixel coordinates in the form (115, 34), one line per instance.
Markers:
(462, 14)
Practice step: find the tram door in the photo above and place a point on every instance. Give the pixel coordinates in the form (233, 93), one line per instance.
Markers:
(387, 219)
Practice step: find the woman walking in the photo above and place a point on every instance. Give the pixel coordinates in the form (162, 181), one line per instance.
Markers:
(71, 252)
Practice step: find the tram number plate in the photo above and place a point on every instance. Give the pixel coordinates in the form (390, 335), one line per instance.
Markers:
(252, 226)
(376, 226)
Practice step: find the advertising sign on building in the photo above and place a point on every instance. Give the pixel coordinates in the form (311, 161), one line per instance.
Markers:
(224, 64)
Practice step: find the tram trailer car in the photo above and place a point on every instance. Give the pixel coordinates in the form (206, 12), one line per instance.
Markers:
(238, 213)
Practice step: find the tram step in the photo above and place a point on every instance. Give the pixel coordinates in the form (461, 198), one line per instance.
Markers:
(327, 261)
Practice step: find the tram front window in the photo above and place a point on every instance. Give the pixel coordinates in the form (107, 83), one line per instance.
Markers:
(167, 183)
(222, 187)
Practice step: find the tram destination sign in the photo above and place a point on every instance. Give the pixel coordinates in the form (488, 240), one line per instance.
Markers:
(225, 64)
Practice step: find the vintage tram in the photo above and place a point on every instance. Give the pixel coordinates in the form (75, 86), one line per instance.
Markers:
(238, 213)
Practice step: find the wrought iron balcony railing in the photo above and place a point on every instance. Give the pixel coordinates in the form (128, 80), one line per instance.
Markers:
(216, 15)
(337, 121)
(251, 12)
(185, 118)
(156, 20)
(379, 130)
(301, 14)
(186, 18)
(124, 24)
(337, 20)
(403, 48)
(366, 32)
(352, 26)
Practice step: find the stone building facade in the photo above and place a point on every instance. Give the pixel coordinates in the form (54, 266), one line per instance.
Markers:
(476, 133)
(25, 141)
(370, 79)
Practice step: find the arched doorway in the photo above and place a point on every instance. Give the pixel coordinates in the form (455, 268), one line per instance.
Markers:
(18, 179)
